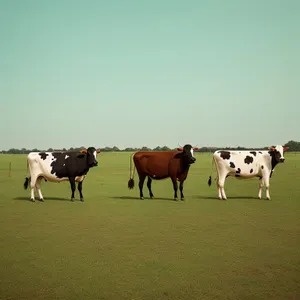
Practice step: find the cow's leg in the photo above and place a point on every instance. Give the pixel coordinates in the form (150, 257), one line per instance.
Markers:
(38, 187)
(33, 180)
(260, 187)
(80, 191)
(175, 187)
(141, 184)
(73, 187)
(223, 193)
(149, 187)
(219, 191)
(267, 184)
(221, 184)
(181, 190)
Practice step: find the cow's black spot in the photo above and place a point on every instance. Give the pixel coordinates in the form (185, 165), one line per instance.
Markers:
(238, 172)
(225, 154)
(232, 165)
(251, 171)
(248, 160)
(262, 167)
(77, 164)
(253, 153)
(58, 165)
(62, 167)
(43, 155)
(260, 152)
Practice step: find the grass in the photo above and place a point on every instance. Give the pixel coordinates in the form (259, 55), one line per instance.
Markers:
(115, 246)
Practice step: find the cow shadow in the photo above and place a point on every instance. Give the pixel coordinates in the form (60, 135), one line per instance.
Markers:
(228, 197)
(45, 199)
(244, 197)
(145, 198)
(204, 197)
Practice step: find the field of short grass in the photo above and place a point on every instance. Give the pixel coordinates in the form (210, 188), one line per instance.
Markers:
(115, 246)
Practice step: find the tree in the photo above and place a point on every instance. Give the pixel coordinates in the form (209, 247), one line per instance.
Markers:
(165, 148)
(293, 146)
(145, 148)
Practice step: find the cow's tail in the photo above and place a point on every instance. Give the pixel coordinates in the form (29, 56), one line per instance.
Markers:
(131, 174)
(27, 179)
(212, 165)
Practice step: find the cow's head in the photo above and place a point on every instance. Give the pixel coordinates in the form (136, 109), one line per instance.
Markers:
(188, 153)
(91, 156)
(278, 151)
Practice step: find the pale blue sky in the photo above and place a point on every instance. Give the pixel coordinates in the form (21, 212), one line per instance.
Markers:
(148, 73)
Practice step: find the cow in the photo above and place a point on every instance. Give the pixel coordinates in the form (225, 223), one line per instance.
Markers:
(159, 165)
(59, 166)
(247, 164)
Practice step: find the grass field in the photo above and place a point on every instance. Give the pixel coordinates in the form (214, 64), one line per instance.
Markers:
(115, 246)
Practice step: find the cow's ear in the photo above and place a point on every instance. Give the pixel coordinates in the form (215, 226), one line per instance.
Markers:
(285, 148)
(98, 151)
(180, 149)
(83, 151)
(81, 155)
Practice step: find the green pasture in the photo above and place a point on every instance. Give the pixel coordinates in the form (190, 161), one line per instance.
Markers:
(116, 246)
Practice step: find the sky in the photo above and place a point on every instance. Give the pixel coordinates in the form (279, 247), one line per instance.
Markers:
(149, 73)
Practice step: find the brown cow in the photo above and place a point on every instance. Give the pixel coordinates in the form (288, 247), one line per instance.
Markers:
(159, 165)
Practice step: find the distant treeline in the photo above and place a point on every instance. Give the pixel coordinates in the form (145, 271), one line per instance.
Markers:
(293, 147)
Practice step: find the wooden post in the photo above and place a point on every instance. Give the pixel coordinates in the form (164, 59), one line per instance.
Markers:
(9, 169)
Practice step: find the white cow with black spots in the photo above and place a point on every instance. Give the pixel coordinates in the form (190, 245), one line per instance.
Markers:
(247, 164)
(59, 166)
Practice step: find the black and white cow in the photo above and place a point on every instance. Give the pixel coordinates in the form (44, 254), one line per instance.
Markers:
(247, 164)
(59, 166)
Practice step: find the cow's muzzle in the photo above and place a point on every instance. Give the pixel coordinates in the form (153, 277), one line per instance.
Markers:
(282, 159)
(192, 160)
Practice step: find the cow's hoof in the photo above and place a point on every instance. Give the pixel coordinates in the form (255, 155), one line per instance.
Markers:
(182, 199)
(220, 198)
(72, 199)
(142, 198)
(259, 197)
(225, 198)
(81, 199)
(151, 197)
(268, 198)
(32, 200)
(175, 199)
(42, 200)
